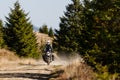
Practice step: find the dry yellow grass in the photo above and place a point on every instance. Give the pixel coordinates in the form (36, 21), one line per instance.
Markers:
(7, 58)
(77, 70)
(8, 55)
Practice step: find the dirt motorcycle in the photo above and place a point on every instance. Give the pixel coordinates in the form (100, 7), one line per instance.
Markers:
(48, 57)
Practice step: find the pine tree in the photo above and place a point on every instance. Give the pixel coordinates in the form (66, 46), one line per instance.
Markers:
(111, 38)
(44, 29)
(103, 29)
(1, 35)
(51, 33)
(70, 28)
(19, 31)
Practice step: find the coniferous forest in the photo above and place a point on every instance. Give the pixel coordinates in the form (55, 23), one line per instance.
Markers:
(90, 28)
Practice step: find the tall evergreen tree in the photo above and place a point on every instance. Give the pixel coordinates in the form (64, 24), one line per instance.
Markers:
(19, 31)
(102, 21)
(93, 29)
(1, 35)
(70, 28)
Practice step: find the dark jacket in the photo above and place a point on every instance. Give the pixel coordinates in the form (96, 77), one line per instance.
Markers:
(48, 47)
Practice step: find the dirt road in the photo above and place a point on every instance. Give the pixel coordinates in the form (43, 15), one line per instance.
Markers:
(31, 70)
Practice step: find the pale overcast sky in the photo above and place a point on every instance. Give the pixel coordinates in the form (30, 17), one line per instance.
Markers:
(40, 11)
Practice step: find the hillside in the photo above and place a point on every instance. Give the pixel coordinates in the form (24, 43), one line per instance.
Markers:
(42, 38)
(14, 68)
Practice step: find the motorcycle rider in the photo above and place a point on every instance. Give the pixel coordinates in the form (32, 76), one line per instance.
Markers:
(48, 47)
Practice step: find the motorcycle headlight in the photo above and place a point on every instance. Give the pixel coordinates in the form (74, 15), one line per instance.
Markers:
(48, 53)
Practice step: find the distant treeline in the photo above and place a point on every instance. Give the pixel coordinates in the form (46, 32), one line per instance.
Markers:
(44, 29)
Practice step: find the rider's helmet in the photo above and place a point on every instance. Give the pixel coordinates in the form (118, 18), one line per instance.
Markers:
(48, 42)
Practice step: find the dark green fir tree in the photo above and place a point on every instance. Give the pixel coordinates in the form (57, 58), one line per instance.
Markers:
(19, 33)
(102, 33)
(68, 36)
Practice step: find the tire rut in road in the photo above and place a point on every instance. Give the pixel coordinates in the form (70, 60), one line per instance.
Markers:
(31, 72)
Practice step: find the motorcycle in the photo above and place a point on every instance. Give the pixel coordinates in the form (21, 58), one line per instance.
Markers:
(48, 57)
